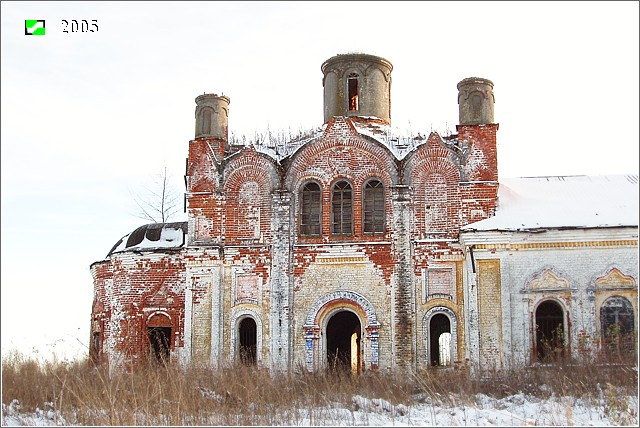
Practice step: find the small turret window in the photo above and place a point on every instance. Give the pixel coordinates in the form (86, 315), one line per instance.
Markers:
(353, 92)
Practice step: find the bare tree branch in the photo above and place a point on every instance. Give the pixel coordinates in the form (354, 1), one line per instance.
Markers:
(160, 201)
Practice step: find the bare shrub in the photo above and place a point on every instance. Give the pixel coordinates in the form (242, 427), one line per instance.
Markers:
(157, 394)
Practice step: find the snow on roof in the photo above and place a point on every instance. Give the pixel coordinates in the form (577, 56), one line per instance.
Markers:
(152, 237)
(397, 140)
(563, 202)
(279, 146)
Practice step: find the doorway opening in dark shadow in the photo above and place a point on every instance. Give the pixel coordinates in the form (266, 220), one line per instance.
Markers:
(549, 332)
(440, 340)
(344, 342)
(248, 341)
(159, 340)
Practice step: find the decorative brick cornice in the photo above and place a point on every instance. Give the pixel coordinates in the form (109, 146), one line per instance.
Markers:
(556, 245)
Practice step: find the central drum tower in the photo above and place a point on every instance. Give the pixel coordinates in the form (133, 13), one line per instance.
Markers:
(357, 85)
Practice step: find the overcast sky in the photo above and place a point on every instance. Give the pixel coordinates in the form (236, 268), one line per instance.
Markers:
(89, 118)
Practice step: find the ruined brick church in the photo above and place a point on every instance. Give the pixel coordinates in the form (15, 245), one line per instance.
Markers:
(354, 246)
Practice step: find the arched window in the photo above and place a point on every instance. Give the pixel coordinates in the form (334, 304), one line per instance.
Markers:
(353, 92)
(310, 209)
(616, 324)
(342, 209)
(373, 207)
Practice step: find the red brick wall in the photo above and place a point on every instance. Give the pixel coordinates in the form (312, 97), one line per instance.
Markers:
(341, 153)
(141, 284)
(249, 180)
(230, 201)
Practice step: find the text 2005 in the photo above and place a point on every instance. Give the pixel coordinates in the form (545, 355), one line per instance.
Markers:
(82, 26)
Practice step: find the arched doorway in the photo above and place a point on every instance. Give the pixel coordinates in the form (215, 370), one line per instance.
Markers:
(344, 342)
(440, 340)
(616, 326)
(248, 333)
(549, 331)
(159, 336)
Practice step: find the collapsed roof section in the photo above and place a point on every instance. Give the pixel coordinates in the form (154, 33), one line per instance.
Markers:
(154, 236)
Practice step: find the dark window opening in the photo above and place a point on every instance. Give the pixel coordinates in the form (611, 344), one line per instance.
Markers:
(248, 341)
(342, 209)
(96, 342)
(343, 342)
(616, 324)
(353, 94)
(549, 332)
(311, 210)
(96, 347)
(160, 340)
(440, 340)
(373, 207)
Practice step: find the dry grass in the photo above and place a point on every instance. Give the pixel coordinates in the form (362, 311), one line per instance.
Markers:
(241, 395)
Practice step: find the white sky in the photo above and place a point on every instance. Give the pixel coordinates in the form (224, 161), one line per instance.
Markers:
(89, 117)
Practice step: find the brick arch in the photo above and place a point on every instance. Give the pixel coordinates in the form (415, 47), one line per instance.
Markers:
(237, 316)
(437, 204)
(330, 304)
(248, 162)
(352, 158)
(358, 300)
(246, 172)
(430, 157)
(453, 325)
(345, 142)
(159, 319)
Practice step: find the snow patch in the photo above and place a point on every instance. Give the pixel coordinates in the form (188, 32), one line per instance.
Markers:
(564, 201)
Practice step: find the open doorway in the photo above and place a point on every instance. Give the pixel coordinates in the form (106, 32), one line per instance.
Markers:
(344, 342)
(159, 336)
(248, 333)
(440, 340)
(549, 331)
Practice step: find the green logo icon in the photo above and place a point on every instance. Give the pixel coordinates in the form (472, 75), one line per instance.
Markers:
(34, 27)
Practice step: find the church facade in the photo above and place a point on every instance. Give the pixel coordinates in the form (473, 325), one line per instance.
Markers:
(354, 246)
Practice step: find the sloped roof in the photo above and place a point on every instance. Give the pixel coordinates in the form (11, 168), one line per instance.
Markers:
(397, 140)
(581, 201)
(152, 237)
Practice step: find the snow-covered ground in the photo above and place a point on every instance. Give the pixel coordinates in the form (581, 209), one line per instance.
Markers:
(481, 410)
